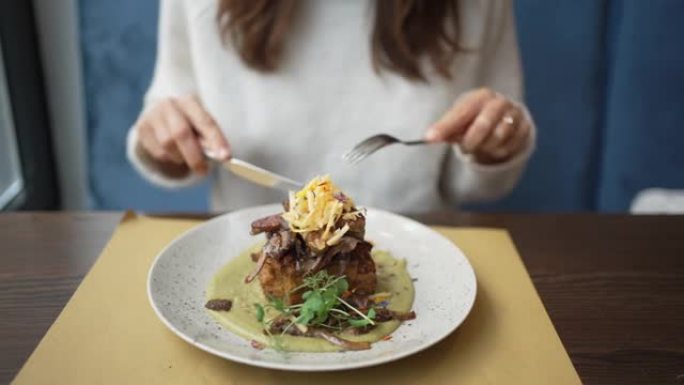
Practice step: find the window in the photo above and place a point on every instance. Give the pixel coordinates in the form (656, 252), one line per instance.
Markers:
(11, 182)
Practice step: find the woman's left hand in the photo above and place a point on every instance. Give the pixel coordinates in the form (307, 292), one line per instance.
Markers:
(485, 124)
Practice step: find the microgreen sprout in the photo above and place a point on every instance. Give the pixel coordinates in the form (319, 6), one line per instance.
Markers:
(322, 306)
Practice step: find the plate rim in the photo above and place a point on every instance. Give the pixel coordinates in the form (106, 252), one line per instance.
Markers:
(305, 367)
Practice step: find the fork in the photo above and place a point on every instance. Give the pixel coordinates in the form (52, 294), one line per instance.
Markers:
(365, 148)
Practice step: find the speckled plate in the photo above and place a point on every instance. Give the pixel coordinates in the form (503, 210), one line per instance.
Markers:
(445, 290)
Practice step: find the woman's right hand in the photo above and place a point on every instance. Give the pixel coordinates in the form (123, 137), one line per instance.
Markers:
(174, 131)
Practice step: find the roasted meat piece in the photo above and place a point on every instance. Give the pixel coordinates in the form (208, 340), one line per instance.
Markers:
(279, 277)
(320, 229)
(357, 227)
(287, 260)
(279, 243)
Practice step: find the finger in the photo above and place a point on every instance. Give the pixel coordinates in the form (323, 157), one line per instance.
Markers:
(484, 124)
(149, 142)
(517, 141)
(162, 133)
(186, 140)
(168, 144)
(205, 125)
(458, 118)
(508, 124)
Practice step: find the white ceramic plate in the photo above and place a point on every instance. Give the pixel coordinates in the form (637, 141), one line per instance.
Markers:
(444, 285)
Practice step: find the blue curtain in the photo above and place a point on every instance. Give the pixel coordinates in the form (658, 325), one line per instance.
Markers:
(604, 81)
(643, 143)
(118, 42)
(563, 52)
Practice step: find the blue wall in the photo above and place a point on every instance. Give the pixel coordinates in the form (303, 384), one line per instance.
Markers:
(604, 81)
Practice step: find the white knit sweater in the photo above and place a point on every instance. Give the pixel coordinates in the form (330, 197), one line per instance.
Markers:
(326, 97)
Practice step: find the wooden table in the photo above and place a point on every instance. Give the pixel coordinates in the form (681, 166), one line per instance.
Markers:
(613, 285)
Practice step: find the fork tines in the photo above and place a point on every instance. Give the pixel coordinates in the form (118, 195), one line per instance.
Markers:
(365, 148)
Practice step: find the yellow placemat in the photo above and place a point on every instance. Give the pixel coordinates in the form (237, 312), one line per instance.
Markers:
(108, 333)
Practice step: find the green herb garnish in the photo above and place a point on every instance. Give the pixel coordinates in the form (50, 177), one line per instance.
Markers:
(323, 307)
(359, 323)
(259, 312)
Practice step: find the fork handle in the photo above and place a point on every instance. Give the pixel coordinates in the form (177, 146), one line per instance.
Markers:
(415, 142)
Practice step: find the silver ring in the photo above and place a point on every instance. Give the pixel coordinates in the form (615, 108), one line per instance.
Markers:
(508, 120)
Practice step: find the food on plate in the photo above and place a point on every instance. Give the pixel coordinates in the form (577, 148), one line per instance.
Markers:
(219, 304)
(316, 284)
(321, 230)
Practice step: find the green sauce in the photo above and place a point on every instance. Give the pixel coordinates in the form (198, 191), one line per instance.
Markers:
(228, 283)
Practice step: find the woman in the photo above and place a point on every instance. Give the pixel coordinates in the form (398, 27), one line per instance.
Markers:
(291, 85)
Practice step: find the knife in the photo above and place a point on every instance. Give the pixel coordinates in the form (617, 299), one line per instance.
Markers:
(256, 174)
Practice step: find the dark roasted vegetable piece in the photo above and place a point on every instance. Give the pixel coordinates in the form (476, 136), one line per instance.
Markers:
(383, 315)
(219, 304)
(269, 224)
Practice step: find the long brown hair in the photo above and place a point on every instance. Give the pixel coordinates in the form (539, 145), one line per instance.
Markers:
(404, 32)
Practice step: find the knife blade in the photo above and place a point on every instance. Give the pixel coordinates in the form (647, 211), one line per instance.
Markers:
(260, 176)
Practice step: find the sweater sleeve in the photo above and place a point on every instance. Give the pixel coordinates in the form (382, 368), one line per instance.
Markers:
(466, 180)
(173, 77)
